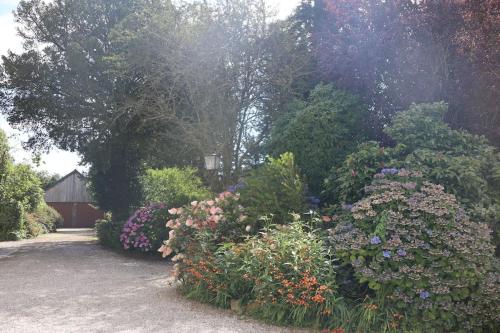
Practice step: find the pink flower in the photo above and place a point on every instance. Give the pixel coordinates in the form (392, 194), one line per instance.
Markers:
(224, 194)
(172, 211)
(165, 250)
(171, 234)
(326, 218)
(189, 222)
(194, 203)
(214, 210)
(170, 223)
(210, 202)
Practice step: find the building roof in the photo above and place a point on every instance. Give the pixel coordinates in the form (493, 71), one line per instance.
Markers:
(70, 188)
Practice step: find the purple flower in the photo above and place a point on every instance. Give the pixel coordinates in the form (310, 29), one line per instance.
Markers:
(375, 240)
(401, 252)
(347, 207)
(389, 171)
(424, 294)
(386, 254)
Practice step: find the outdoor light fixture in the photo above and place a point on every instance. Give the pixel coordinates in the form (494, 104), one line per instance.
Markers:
(212, 162)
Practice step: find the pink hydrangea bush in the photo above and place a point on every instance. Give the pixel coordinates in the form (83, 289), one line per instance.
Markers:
(201, 226)
(145, 229)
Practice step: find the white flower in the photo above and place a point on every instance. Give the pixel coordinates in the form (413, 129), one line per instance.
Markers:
(248, 228)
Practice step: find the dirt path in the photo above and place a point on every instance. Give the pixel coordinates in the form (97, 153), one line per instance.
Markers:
(66, 282)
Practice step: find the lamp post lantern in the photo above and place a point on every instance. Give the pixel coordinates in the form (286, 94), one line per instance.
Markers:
(212, 165)
(212, 162)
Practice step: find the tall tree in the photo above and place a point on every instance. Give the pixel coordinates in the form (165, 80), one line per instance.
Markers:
(394, 53)
(64, 89)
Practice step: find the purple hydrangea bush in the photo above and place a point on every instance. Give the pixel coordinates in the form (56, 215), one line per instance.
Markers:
(145, 229)
(413, 245)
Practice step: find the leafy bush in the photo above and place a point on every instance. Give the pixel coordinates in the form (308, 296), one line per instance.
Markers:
(49, 217)
(173, 186)
(273, 189)
(43, 220)
(466, 165)
(108, 231)
(21, 198)
(411, 242)
(11, 220)
(145, 229)
(23, 185)
(323, 130)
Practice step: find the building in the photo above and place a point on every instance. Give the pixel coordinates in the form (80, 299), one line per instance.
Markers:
(72, 199)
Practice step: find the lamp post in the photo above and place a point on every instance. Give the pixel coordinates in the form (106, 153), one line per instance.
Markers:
(212, 162)
(212, 165)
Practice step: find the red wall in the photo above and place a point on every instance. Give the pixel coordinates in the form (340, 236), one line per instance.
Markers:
(77, 215)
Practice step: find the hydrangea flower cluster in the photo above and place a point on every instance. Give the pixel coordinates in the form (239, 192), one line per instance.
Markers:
(221, 220)
(410, 240)
(141, 229)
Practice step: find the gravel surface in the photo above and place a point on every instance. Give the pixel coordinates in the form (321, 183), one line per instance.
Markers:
(66, 282)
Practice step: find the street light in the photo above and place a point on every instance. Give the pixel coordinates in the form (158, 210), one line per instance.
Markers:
(212, 162)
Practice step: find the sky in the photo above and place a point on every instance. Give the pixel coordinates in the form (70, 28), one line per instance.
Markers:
(59, 161)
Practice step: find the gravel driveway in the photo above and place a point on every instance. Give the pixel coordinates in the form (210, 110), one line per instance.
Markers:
(66, 282)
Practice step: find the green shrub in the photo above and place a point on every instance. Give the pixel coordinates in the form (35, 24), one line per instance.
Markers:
(466, 165)
(274, 189)
(174, 187)
(411, 242)
(108, 231)
(322, 132)
(23, 185)
(11, 220)
(32, 227)
(5, 158)
(43, 220)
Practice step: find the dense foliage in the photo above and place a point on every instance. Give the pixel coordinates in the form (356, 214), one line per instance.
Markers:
(465, 164)
(411, 242)
(394, 53)
(274, 189)
(172, 186)
(43, 220)
(321, 132)
(23, 212)
(276, 283)
(108, 231)
(259, 275)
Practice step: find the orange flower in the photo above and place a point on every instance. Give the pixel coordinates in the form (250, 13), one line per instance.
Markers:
(371, 306)
(398, 316)
(318, 298)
